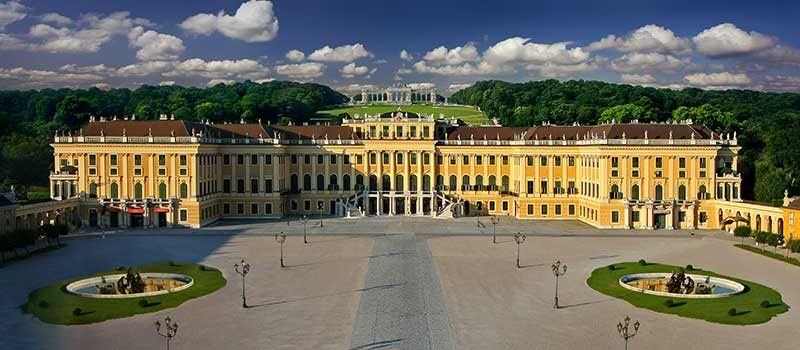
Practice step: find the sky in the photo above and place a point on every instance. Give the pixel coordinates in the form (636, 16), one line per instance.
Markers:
(350, 45)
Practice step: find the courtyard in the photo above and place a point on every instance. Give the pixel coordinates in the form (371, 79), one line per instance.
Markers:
(398, 283)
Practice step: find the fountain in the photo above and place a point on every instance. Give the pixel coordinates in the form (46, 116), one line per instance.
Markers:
(681, 285)
(130, 285)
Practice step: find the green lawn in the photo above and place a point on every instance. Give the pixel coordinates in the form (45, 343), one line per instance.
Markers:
(60, 304)
(770, 254)
(747, 304)
(467, 114)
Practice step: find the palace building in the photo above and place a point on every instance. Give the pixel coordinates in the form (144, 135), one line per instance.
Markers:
(157, 173)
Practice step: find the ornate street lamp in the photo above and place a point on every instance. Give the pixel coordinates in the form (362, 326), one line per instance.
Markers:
(495, 221)
(170, 329)
(281, 238)
(558, 270)
(305, 222)
(624, 330)
(519, 238)
(242, 269)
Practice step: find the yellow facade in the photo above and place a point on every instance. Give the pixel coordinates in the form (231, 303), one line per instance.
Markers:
(164, 173)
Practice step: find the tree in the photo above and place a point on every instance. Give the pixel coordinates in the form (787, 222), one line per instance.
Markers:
(22, 238)
(707, 115)
(762, 238)
(625, 114)
(742, 231)
(6, 245)
(770, 182)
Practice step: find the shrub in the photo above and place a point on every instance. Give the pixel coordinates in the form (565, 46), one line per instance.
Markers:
(762, 237)
(612, 267)
(689, 267)
(77, 311)
(172, 263)
(732, 312)
(43, 304)
(794, 245)
(203, 268)
(143, 303)
(642, 262)
(765, 303)
(742, 231)
(669, 303)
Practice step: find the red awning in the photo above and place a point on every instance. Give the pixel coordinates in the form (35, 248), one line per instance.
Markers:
(135, 210)
(112, 209)
(161, 210)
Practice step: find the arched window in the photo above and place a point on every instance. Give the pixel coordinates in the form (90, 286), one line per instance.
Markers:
(439, 182)
(373, 182)
(682, 192)
(465, 182)
(184, 190)
(334, 182)
(294, 185)
(387, 183)
(114, 190)
(346, 182)
(412, 183)
(701, 192)
(492, 182)
(92, 190)
(320, 182)
(306, 182)
(635, 192)
(615, 192)
(453, 183)
(162, 190)
(505, 183)
(659, 193)
(426, 183)
(137, 190)
(398, 183)
(479, 182)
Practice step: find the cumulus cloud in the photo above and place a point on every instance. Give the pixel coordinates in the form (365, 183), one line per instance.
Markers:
(727, 40)
(354, 88)
(457, 87)
(638, 78)
(718, 79)
(213, 82)
(94, 32)
(56, 18)
(647, 38)
(11, 12)
(351, 70)
(295, 55)
(458, 55)
(254, 21)
(167, 83)
(421, 86)
(302, 70)
(155, 46)
(98, 69)
(482, 68)
(344, 53)
(38, 79)
(779, 83)
(11, 43)
(102, 86)
(521, 50)
(240, 69)
(143, 68)
(404, 70)
(406, 56)
(637, 61)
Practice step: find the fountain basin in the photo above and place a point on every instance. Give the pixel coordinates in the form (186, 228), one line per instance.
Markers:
(651, 283)
(157, 284)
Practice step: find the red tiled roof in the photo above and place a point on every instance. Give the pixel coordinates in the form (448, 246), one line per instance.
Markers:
(317, 132)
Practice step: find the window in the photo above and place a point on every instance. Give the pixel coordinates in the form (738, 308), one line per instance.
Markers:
(226, 159)
(571, 209)
(306, 159)
(93, 171)
(614, 173)
(254, 159)
(413, 158)
(659, 193)
(530, 209)
(635, 173)
(453, 185)
(92, 159)
(492, 160)
(240, 159)
(182, 172)
(162, 172)
(635, 162)
(614, 162)
(544, 209)
(505, 160)
(385, 158)
(682, 192)
(385, 131)
(184, 215)
(399, 157)
(426, 158)
(114, 190)
(268, 208)
(162, 190)
(558, 209)
(92, 190)
(184, 190)
(320, 182)
(465, 160)
(543, 186)
(294, 159)
(254, 185)
(478, 160)
(413, 131)
(162, 159)
(682, 173)
(240, 208)
(529, 160)
(268, 159)
(268, 185)
(659, 162)
(359, 159)
(137, 190)
(635, 192)
(182, 159)
(543, 161)
(373, 158)
(373, 131)
(530, 186)
(320, 159)
(240, 185)
(226, 208)
(703, 163)
(703, 217)
(505, 205)
(557, 160)
(439, 159)
(425, 131)
(571, 161)
(226, 186)
(682, 163)
(491, 205)
(113, 171)
(398, 131)
(635, 216)
(681, 216)
(615, 216)
(253, 208)
(452, 159)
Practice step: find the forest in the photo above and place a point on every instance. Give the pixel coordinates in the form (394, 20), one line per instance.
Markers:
(29, 119)
(767, 124)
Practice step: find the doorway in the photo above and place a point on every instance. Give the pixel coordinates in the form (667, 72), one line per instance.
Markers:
(660, 221)
(113, 219)
(162, 219)
(137, 220)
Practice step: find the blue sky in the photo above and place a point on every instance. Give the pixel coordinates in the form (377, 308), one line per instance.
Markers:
(353, 44)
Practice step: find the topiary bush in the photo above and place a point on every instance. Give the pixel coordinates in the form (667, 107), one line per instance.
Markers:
(765, 303)
(794, 245)
(612, 267)
(642, 262)
(143, 303)
(732, 312)
(689, 267)
(44, 304)
(77, 311)
(669, 303)
(172, 263)
(742, 231)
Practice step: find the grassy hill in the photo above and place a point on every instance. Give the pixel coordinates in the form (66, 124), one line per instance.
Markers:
(466, 113)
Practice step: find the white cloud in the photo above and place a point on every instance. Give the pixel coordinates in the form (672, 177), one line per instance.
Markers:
(455, 56)
(11, 12)
(457, 87)
(254, 21)
(421, 86)
(38, 79)
(344, 53)
(726, 40)
(481, 68)
(779, 55)
(155, 46)
(405, 56)
(404, 70)
(380, 61)
(555, 70)
(213, 82)
(265, 80)
(647, 38)
(355, 88)
(634, 62)
(718, 79)
(717, 66)
(11, 43)
(351, 70)
(94, 32)
(301, 71)
(167, 83)
(241, 69)
(295, 55)
(56, 18)
(638, 78)
(780, 83)
(102, 86)
(520, 50)
(98, 69)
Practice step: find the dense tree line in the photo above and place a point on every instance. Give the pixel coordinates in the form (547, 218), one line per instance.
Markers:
(768, 124)
(28, 119)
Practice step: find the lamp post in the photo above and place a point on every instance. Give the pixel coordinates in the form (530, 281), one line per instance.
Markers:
(624, 330)
(495, 221)
(170, 329)
(281, 238)
(243, 268)
(305, 222)
(558, 270)
(519, 238)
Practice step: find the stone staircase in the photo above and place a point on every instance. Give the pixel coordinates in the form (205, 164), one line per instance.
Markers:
(451, 206)
(349, 208)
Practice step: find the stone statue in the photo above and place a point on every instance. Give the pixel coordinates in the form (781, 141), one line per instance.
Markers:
(131, 283)
(679, 283)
